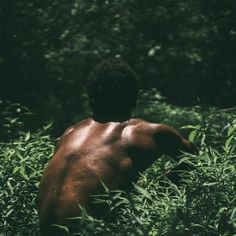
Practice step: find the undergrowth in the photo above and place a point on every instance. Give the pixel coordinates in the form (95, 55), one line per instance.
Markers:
(21, 166)
(203, 204)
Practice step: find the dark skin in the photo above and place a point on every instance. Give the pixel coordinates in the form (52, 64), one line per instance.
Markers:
(95, 151)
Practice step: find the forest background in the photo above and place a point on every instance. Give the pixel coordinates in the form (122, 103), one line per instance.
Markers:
(185, 49)
(184, 53)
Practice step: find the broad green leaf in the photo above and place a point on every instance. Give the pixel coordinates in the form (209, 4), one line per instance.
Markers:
(16, 169)
(192, 135)
(231, 130)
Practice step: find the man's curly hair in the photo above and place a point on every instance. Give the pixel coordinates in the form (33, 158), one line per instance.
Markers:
(113, 85)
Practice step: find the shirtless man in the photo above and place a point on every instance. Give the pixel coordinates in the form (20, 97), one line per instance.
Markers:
(110, 147)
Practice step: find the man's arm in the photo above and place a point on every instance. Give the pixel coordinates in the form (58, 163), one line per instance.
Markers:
(173, 144)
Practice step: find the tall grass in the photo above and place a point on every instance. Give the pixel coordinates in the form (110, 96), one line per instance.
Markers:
(203, 204)
(21, 165)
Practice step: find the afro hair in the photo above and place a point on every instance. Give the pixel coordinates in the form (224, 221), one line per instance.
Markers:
(113, 85)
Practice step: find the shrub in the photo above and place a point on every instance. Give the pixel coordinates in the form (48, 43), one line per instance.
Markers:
(203, 204)
(22, 163)
(12, 120)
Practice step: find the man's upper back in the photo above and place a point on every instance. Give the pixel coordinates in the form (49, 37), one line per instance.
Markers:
(89, 136)
(91, 152)
(112, 145)
(115, 148)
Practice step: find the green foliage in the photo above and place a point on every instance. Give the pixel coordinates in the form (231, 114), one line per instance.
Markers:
(12, 120)
(199, 124)
(22, 163)
(203, 204)
(184, 48)
(153, 107)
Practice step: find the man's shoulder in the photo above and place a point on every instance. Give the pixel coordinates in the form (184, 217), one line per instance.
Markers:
(76, 127)
(161, 133)
(141, 124)
(141, 127)
(136, 124)
(79, 124)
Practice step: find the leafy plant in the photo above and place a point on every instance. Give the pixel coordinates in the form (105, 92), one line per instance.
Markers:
(22, 163)
(203, 204)
(12, 120)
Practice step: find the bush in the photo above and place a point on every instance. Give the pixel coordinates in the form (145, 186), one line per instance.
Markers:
(12, 120)
(22, 163)
(203, 204)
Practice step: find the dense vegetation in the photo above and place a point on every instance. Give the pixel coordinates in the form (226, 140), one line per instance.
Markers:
(203, 204)
(186, 49)
(184, 53)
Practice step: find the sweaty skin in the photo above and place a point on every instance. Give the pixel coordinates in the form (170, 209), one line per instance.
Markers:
(90, 153)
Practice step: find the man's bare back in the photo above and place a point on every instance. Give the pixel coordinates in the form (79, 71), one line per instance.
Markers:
(90, 153)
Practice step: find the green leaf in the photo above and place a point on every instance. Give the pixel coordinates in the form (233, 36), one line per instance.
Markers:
(197, 225)
(192, 135)
(23, 173)
(104, 187)
(10, 187)
(233, 215)
(210, 183)
(27, 136)
(9, 212)
(222, 210)
(14, 120)
(64, 228)
(143, 192)
(16, 169)
(231, 130)
(195, 127)
(228, 142)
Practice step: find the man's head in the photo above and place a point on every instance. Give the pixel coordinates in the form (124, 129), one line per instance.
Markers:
(113, 88)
